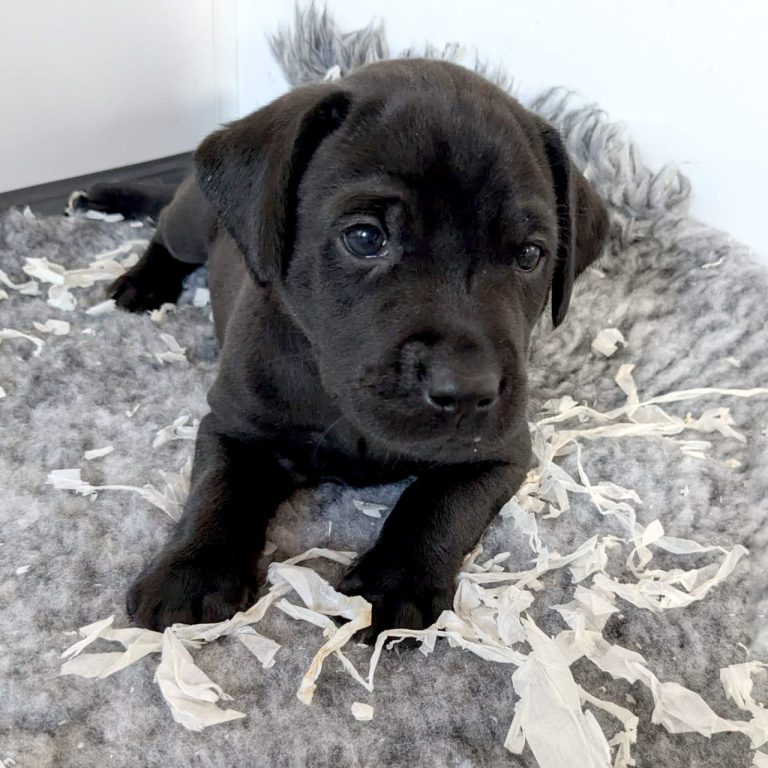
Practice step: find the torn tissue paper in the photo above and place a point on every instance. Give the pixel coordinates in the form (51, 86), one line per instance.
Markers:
(175, 353)
(607, 341)
(362, 711)
(490, 609)
(104, 267)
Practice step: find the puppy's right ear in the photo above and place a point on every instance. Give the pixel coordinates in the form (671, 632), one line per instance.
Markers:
(250, 171)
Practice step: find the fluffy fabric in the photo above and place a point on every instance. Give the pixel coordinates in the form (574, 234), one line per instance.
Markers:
(686, 298)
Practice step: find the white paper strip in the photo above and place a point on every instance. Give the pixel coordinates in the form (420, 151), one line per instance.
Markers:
(189, 692)
(263, 648)
(607, 341)
(158, 315)
(369, 508)
(179, 430)
(97, 453)
(363, 712)
(56, 327)
(170, 499)
(10, 333)
(30, 288)
(202, 297)
(175, 353)
(549, 716)
(102, 308)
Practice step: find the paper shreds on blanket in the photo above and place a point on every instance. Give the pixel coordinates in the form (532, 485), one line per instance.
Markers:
(361, 711)
(179, 430)
(175, 353)
(369, 508)
(30, 288)
(489, 615)
(607, 341)
(159, 315)
(170, 498)
(56, 327)
(98, 453)
(10, 333)
(104, 267)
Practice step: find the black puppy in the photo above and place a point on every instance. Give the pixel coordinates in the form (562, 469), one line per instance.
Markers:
(380, 249)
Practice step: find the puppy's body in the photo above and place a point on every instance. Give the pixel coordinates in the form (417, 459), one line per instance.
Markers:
(379, 251)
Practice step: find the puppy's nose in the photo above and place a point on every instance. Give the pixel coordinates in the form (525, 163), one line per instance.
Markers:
(453, 391)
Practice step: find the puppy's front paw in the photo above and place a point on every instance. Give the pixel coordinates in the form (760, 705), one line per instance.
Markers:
(402, 597)
(174, 589)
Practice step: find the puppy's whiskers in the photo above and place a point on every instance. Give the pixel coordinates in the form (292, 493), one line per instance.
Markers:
(323, 436)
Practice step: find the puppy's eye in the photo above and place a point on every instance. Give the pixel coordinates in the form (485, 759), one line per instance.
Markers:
(528, 257)
(364, 240)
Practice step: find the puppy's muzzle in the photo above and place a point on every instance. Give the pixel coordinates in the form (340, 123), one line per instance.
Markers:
(459, 379)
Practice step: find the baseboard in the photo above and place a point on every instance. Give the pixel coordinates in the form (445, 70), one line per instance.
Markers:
(51, 198)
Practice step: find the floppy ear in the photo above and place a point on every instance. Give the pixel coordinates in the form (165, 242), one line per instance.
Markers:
(582, 222)
(250, 170)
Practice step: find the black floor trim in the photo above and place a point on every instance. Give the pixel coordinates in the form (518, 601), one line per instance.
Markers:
(51, 199)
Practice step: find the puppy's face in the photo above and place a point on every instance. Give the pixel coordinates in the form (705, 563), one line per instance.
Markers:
(423, 257)
(424, 230)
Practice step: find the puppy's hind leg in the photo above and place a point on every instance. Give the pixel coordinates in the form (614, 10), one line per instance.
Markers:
(132, 199)
(180, 246)
(156, 279)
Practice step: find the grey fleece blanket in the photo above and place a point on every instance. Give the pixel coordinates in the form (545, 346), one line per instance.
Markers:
(691, 305)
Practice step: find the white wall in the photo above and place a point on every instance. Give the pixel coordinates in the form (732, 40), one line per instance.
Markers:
(688, 76)
(86, 86)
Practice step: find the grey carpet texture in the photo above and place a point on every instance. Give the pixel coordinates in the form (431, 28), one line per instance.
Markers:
(691, 305)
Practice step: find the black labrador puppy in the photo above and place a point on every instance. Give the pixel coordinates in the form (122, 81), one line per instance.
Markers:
(380, 249)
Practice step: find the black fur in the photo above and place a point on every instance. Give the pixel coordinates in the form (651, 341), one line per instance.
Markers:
(155, 280)
(366, 370)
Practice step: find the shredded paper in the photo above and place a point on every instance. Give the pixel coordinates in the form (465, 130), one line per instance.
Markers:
(105, 267)
(490, 615)
(607, 341)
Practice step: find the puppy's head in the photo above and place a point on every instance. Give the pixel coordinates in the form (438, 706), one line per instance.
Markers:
(415, 221)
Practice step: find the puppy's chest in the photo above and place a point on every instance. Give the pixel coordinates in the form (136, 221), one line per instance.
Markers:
(338, 453)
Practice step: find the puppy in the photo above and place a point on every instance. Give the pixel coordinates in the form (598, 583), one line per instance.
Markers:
(380, 249)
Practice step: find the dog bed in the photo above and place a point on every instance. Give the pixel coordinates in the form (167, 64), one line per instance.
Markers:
(97, 413)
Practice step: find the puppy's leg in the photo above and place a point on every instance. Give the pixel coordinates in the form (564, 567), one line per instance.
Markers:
(408, 575)
(179, 246)
(157, 278)
(206, 571)
(132, 199)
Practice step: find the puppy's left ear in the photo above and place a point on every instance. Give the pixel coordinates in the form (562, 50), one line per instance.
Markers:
(582, 222)
(250, 170)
